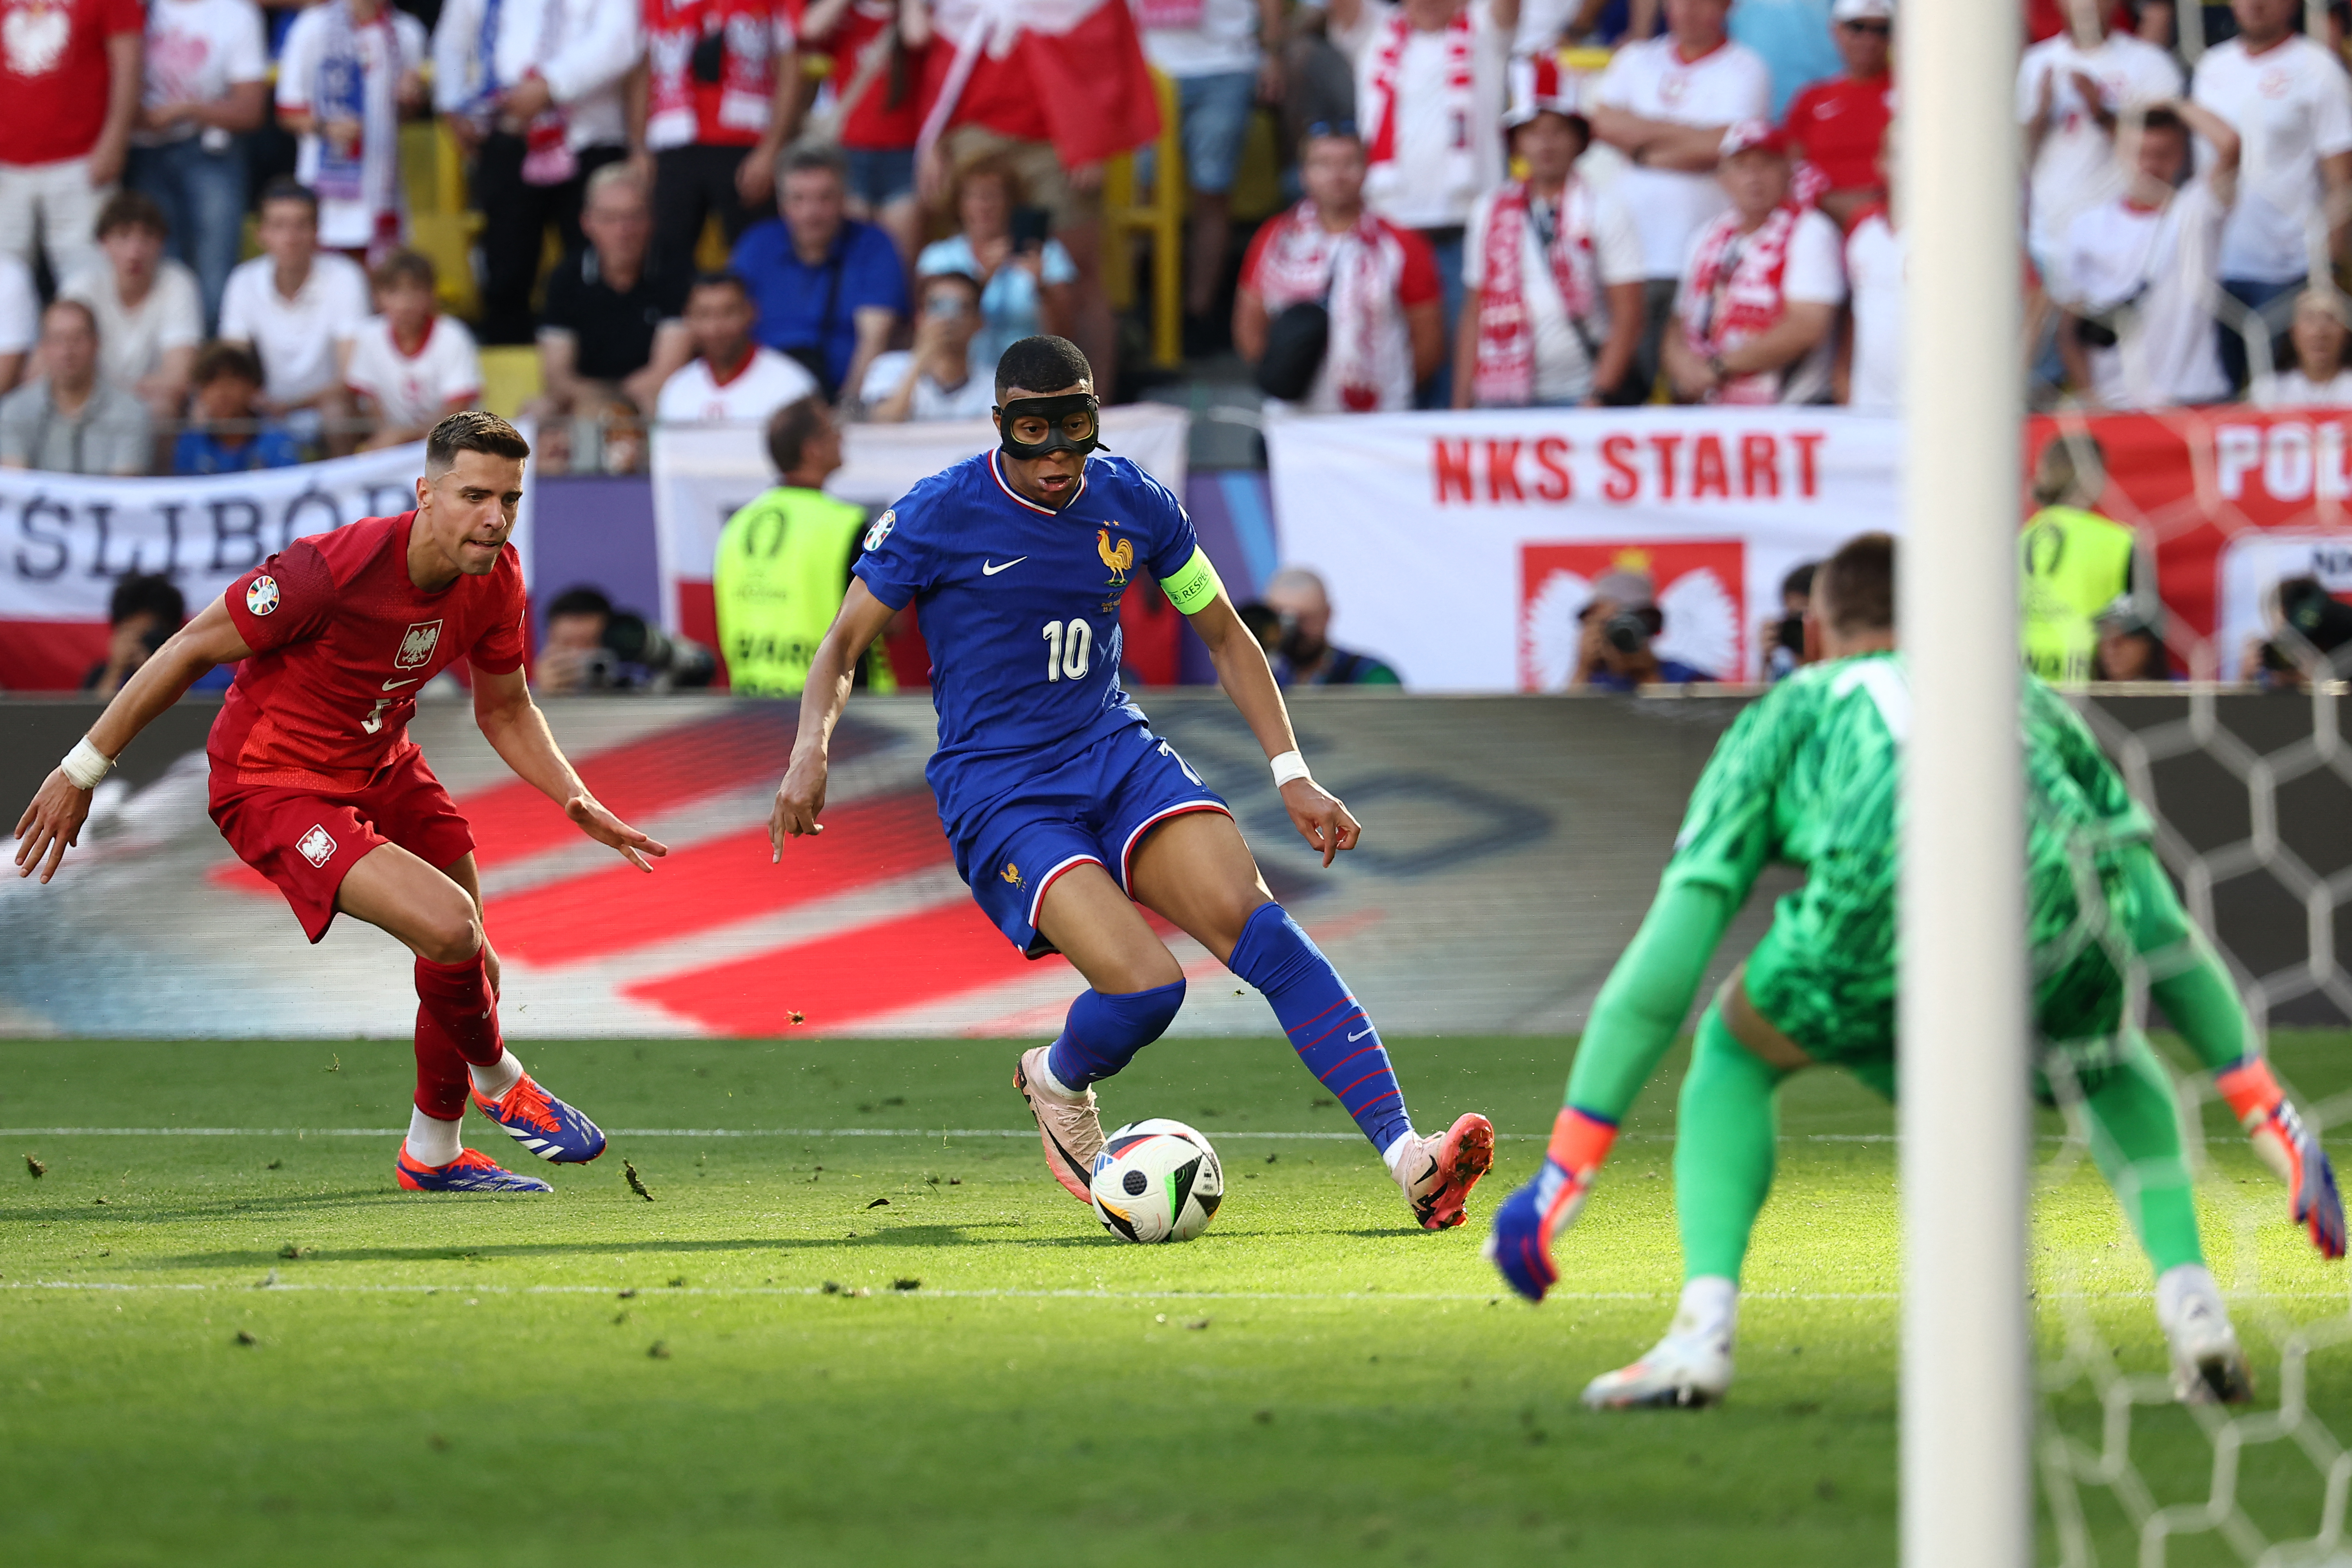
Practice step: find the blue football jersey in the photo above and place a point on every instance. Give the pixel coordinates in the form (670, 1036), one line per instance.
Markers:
(1019, 604)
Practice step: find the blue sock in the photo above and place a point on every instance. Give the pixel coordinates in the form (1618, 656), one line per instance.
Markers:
(1325, 1024)
(1103, 1033)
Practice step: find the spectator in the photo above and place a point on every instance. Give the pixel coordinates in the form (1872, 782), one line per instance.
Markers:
(410, 364)
(347, 71)
(2287, 97)
(2072, 563)
(2150, 20)
(1298, 598)
(2318, 378)
(940, 379)
(1219, 53)
(1796, 40)
(612, 326)
(225, 432)
(207, 86)
(1760, 295)
(1837, 125)
(576, 622)
(2143, 269)
(533, 90)
(150, 315)
(20, 319)
(1266, 625)
(1338, 310)
(1551, 272)
(70, 419)
(1665, 104)
(299, 310)
(1618, 649)
(2071, 91)
(784, 564)
(2312, 637)
(1429, 79)
(721, 80)
(730, 378)
(1028, 284)
(140, 614)
(829, 288)
(1783, 638)
(879, 49)
(1870, 370)
(1320, 84)
(70, 75)
(2131, 644)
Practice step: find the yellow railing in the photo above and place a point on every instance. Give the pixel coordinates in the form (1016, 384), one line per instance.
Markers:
(1160, 217)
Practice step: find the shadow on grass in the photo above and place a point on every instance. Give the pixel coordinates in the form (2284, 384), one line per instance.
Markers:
(913, 1235)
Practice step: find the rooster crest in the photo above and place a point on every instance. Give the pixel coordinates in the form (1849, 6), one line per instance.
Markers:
(1117, 557)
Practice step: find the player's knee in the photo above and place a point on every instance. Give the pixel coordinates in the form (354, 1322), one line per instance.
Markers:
(451, 932)
(1150, 1011)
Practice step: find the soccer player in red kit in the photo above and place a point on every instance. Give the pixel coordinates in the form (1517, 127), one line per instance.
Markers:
(316, 785)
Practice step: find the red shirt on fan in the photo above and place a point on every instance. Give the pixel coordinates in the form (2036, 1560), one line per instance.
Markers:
(53, 74)
(341, 642)
(1838, 126)
(875, 123)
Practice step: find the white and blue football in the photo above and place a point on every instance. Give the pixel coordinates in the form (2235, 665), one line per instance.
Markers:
(1157, 1181)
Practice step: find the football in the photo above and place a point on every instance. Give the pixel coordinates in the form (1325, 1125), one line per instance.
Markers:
(1157, 1181)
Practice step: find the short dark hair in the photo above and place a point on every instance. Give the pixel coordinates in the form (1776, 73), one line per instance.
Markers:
(810, 157)
(218, 360)
(405, 267)
(1799, 579)
(789, 429)
(2162, 119)
(1042, 363)
(472, 430)
(88, 316)
(1854, 591)
(287, 188)
(581, 600)
(964, 280)
(132, 209)
(136, 593)
(726, 278)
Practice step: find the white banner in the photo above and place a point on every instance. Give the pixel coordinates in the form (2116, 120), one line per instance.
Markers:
(704, 473)
(68, 538)
(1460, 547)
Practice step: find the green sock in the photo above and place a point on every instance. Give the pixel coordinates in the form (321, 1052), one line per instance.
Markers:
(1647, 995)
(2184, 977)
(1724, 1149)
(2134, 1123)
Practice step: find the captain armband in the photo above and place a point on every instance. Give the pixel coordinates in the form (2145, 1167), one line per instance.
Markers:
(1194, 585)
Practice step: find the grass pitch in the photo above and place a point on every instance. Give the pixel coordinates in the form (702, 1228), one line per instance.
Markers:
(837, 1333)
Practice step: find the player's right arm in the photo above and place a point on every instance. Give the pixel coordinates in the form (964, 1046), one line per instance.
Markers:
(53, 822)
(800, 796)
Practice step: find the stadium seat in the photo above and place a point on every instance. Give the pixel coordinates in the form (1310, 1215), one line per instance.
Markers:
(510, 378)
(1160, 216)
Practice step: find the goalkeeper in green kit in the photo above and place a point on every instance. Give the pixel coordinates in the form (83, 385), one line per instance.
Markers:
(1809, 775)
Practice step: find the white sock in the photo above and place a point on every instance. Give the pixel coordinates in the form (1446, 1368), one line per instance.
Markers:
(1394, 1155)
(1711, 1306)
(431, 1140)
(1051, 1085)
(2180, 1284)
(494, 1080)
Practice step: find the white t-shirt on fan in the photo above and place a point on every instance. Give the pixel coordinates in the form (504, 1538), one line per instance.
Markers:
(393, 44)
(1420, 188)
(1651, 78)
(2291, 106)
(2293, 389)
(2075, 168)
(296, 338)
(1563, 368)
(763, 383)
(20, 306)
(975, 399)
(197, 50)
(2153, 274)
(1873, 275)
(1221, 40)
(131, 342)
(413, 390)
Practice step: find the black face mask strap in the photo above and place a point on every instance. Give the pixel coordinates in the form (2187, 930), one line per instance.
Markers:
(1053, 410)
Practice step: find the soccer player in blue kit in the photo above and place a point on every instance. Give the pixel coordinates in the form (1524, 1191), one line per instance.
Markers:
(1063, 809)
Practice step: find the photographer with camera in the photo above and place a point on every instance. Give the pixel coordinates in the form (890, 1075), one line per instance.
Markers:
(592, 646)
(1303, 653)
(2312, 639)
(938, 379)
(1618, 651)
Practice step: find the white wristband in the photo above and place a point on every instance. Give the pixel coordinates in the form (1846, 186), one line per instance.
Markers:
(1288, 766)
(86, 764)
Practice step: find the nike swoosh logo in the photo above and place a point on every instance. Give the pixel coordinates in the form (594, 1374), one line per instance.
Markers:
(988, 569)
(394, 685)
(1358, 1035)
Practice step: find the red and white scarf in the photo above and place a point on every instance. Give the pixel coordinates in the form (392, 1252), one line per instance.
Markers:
(1507, 338)
(1734, 295)
(1381, 105)
(1369, 357)
(747, 76)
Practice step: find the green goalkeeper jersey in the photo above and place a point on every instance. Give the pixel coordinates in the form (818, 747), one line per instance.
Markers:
(1810, 776)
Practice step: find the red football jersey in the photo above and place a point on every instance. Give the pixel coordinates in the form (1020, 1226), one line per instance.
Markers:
(341, 641)
(1838, 124)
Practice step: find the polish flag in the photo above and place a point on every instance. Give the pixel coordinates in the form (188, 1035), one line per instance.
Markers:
(1070, 73)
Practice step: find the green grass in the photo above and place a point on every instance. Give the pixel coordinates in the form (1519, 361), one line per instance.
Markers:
(474, 1379)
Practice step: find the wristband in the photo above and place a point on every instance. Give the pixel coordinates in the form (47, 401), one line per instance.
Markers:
(86, 764)
(1288, 766)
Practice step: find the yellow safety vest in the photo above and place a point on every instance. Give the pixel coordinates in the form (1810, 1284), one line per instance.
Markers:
(2071, 564)
(784, 564)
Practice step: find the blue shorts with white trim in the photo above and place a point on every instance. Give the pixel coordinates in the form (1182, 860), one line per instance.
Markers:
(1093, 810)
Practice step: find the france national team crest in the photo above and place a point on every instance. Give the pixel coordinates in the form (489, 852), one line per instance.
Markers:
(881, 530)
(262, 594)
(1012, 874)
(416, 646)
(318, 847)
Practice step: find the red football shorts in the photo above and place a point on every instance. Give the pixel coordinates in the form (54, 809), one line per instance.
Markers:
(306, 842)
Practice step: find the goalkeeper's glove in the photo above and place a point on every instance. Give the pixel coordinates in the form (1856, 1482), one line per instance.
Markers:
(2287, 1147)
(1520, 1243)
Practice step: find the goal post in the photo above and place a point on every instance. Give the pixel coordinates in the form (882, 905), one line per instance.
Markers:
(1967, 1421)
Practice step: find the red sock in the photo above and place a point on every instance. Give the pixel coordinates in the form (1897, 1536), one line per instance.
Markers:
(456, 1023)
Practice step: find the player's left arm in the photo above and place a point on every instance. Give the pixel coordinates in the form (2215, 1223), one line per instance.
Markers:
(517, 731)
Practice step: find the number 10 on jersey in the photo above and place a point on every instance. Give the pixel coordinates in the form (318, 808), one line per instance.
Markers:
(1068, 646)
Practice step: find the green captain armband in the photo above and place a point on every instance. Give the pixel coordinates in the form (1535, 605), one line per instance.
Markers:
(1194, 585)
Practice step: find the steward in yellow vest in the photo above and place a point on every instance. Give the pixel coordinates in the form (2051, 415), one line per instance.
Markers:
(2072, 563)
